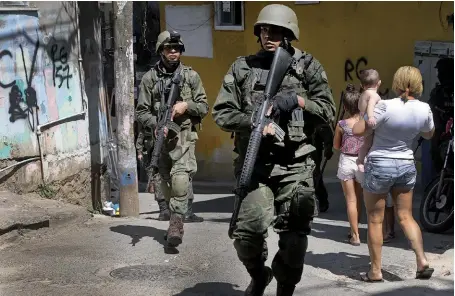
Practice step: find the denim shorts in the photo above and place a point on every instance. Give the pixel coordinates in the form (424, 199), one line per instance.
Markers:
(383, 174)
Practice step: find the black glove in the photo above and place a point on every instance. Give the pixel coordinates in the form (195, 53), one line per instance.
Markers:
(284, 102)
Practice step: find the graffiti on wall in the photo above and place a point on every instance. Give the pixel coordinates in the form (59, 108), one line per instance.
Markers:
(21, 102)
(352, 68)
(39, 83)
(61, 68)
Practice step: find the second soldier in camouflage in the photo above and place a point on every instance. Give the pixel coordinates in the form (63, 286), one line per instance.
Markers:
(177, 162)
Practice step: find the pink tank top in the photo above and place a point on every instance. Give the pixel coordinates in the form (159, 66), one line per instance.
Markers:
(350, 144)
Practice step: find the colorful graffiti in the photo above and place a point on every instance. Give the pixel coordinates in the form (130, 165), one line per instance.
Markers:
(39, 83)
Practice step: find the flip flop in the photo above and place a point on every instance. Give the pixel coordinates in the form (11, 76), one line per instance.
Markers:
(364, 277)
(424, 274)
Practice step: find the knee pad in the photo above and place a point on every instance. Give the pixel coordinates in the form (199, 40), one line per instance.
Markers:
(180, 183)
(303, 205)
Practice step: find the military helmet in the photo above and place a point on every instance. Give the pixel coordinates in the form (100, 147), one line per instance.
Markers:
(278, 15)
(167, 38)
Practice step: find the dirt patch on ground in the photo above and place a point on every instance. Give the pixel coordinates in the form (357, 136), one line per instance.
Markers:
(76, 189)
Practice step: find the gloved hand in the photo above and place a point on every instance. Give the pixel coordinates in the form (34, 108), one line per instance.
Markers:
(284, 102)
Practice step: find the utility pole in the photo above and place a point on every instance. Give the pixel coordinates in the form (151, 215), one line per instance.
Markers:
(124, 103)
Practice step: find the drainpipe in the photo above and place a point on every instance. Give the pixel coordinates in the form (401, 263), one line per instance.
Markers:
(19, 163)
(79, 57)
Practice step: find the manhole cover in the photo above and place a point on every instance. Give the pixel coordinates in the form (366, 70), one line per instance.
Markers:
(149, 272)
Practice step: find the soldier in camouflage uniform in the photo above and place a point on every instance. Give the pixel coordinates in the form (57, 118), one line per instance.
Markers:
(144, 147)
(283, 175)
(177, 163)
(441, 99)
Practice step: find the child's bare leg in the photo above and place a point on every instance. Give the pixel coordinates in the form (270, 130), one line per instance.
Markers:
(368, 141)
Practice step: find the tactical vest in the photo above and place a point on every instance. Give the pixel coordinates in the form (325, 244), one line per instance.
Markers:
(253, 85)
(161, 83)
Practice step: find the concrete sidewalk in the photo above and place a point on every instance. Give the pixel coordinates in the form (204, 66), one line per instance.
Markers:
(21, 212)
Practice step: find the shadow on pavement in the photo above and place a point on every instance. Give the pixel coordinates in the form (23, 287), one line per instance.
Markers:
(218, 205)
(346, 264)
(137, 232)
(415, 291)
(197, 189)
(335, 232)
(433, 243)
(211, 289)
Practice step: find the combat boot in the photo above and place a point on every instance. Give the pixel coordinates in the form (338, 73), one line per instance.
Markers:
(260, 279)
(190, 217)
(285, 290)
(165, 215)
(175, 231)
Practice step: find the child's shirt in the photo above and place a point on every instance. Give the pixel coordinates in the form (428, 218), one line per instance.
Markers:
(350, 144)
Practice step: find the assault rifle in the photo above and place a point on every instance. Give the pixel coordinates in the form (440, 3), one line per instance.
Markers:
(281, 62)
(164, 119)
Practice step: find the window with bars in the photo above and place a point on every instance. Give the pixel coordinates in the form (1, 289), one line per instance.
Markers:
(229, 15)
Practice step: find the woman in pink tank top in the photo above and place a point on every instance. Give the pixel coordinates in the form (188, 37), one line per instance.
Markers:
(349, 146)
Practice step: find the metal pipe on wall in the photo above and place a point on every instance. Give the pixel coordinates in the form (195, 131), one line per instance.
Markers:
(79, 57)
(57, 121)
(19, 163)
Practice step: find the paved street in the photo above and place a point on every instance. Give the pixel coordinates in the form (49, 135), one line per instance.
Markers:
(119, 256)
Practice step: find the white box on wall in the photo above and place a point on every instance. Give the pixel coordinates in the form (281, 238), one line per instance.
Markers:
(422, 47)
(194, 24)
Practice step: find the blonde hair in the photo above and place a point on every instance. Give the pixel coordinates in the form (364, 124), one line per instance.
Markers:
(407, 81)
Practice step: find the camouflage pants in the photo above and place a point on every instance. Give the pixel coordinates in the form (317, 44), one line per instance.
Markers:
(176, 176)
(257, 213)
(159, 196)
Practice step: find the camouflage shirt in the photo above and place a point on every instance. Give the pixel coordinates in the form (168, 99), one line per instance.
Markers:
(241, 92)
(191, 91)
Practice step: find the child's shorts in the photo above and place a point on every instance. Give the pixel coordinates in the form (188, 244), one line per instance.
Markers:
(347, 168)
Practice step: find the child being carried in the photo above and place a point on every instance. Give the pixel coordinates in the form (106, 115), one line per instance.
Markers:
(369, 98)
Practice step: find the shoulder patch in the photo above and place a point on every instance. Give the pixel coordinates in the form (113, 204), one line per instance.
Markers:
(229, 79)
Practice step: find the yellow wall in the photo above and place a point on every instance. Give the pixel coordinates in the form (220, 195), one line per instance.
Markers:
(382, 32)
